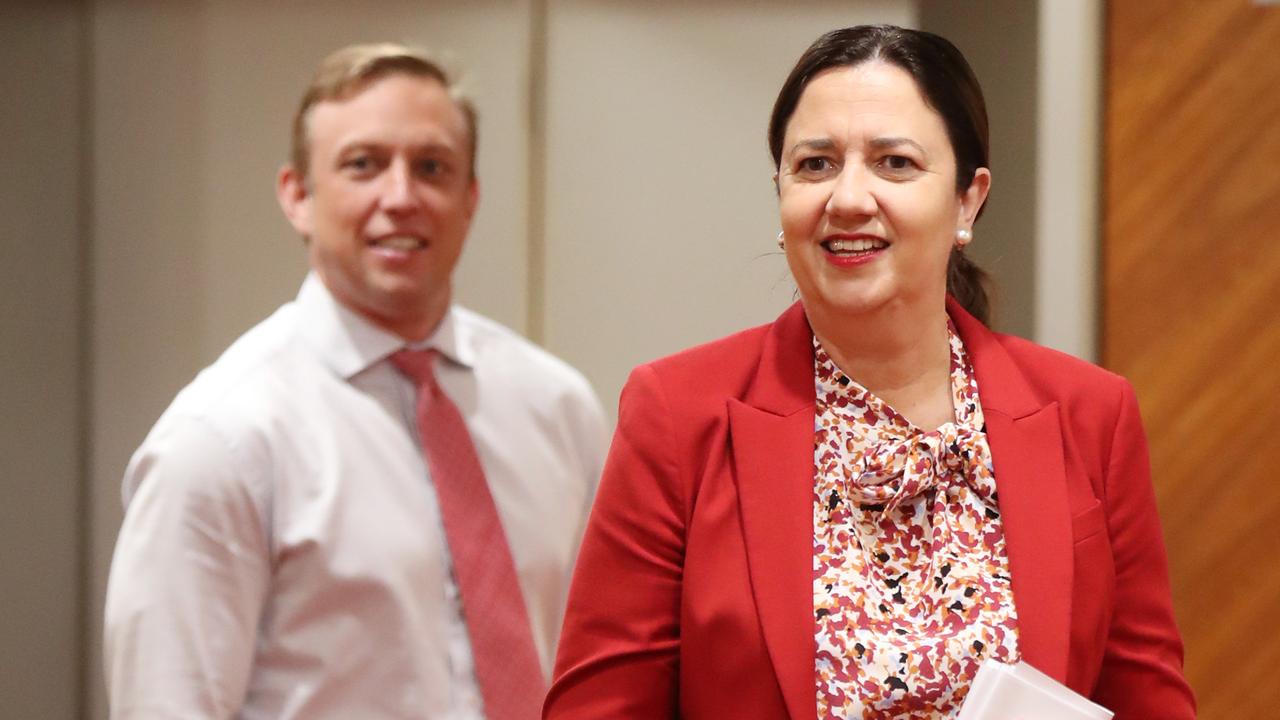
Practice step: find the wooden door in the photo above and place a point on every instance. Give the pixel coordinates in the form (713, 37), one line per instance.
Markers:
(1192, 315)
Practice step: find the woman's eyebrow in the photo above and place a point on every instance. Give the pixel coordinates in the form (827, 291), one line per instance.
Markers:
(883, 143)
(880, 143)
(814, 144)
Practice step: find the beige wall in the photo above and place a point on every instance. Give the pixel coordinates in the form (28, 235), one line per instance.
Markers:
(1068, 185)
(626, 212)
(661, 218)
(40, 359)
(1003, 238)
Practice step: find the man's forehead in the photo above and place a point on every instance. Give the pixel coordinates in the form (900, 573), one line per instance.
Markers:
(402, 89)
(402, 103)
(402, 77)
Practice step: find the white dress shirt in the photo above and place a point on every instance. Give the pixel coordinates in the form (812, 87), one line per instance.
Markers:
(282, 554)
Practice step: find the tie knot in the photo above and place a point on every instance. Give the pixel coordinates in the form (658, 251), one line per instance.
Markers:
(418, 365)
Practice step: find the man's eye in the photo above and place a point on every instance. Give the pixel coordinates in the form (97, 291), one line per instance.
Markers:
(430, 167)
(358, 163)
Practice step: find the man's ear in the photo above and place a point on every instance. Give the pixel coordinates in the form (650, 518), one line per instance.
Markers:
(473, 197)
(294, 199)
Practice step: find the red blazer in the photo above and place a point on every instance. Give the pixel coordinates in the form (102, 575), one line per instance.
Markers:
(693, 592)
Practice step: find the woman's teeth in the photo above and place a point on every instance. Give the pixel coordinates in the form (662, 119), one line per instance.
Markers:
(858, 245)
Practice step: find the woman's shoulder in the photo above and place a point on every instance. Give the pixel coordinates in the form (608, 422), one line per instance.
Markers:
(1019, 366)
(1046, 360)
(720, 368)
(1058, 376)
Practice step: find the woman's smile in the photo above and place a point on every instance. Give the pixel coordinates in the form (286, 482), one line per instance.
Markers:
(853, 249)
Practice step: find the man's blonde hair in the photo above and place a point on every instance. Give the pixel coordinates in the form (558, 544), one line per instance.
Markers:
(351, 69)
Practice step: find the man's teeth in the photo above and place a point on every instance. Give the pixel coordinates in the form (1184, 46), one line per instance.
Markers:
(400, 243)
(859, 245)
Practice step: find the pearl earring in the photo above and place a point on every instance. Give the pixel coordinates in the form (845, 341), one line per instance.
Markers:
(782, 245)
(963, 236)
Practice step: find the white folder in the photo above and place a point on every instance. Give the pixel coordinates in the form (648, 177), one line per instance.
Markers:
(1020, 692)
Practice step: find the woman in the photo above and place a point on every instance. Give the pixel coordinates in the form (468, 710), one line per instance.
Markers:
(843, 513)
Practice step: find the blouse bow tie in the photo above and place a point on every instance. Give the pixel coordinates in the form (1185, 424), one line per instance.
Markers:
(898, 470)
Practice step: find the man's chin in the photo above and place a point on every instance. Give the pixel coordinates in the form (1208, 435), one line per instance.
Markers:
(407, 309)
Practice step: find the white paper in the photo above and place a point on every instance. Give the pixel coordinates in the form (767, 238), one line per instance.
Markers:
(1020, 692)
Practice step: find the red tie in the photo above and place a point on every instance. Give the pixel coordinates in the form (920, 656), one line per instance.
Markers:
(507, 666)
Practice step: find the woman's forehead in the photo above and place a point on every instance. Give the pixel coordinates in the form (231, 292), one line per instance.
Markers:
(870, 98)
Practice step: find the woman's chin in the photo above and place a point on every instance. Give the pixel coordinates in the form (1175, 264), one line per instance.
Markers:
(850, 303)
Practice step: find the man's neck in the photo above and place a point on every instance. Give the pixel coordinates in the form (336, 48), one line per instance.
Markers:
(419, 327)
(413, 325)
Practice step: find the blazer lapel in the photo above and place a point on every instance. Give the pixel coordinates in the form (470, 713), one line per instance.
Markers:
(1026, 446)
(771, 430)
(772, 446)
(773, 464)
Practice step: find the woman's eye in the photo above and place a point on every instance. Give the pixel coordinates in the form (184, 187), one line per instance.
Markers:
(897, 162)
(814, 165)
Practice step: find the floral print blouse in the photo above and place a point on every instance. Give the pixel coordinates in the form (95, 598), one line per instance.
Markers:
(911, 588)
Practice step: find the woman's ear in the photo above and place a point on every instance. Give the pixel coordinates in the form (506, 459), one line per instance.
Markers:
(972, 199)
(294, 199)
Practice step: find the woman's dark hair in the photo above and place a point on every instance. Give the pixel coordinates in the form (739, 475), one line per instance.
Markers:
(948, 85)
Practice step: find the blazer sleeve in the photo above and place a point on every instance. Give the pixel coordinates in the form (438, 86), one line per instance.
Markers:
(619, 650)
(1141, 675)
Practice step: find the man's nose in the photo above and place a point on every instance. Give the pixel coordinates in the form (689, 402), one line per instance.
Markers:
(852, 195)
(399, 190)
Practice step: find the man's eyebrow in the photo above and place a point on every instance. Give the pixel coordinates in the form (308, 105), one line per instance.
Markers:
(437, 147)
(426, 146)
(356, 146)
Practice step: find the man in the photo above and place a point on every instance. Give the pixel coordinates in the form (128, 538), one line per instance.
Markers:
(369, 506)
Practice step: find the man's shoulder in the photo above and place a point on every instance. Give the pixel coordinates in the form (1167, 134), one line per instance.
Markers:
(218, 427)
(539, 390)
(499, 350)
(251, 376)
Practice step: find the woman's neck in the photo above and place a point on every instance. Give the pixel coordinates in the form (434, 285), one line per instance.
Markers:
(901, 355)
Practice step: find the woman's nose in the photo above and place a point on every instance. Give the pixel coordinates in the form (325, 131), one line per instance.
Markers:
(851, 194)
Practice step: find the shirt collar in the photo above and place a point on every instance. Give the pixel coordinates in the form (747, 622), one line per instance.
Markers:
(349, 344)
(452, 337)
